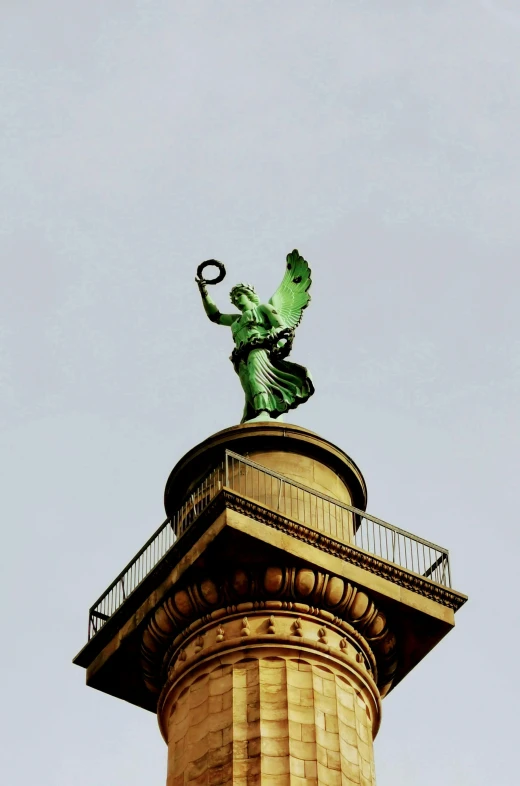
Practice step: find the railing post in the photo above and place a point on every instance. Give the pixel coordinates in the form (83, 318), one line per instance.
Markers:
(226, 481)
(444, 563)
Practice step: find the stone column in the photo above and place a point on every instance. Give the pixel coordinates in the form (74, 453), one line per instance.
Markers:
(269, 691)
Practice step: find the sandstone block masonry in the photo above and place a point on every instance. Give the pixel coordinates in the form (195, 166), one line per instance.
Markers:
(271, 720)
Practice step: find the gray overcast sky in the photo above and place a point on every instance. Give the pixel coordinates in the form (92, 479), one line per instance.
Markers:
(139, 138)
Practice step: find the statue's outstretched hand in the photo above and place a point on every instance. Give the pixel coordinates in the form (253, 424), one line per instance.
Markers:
(201, 285)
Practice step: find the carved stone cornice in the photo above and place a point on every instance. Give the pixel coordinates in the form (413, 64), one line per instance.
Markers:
(380, 567)
(305, 607)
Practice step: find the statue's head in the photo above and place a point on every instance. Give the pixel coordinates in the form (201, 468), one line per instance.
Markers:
(244, 297)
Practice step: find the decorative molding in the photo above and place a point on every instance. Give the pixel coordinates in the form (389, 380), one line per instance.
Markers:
(210, 612)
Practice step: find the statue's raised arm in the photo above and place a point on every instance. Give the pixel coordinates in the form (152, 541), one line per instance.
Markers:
(263, 335)
(210, 307)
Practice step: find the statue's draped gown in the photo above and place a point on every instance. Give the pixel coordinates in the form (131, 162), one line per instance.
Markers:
(277, 384)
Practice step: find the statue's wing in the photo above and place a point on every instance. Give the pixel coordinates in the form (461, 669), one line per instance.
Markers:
(292, 296)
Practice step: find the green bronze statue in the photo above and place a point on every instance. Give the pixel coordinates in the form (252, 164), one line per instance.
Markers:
(263, 336)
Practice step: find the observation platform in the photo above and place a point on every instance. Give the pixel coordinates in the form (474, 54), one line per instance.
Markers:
(256, 497)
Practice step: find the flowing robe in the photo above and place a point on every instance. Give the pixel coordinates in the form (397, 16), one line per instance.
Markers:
(270, 383)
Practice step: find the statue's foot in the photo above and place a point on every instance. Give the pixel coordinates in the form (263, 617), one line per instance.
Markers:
(261, 416)
(264, 415)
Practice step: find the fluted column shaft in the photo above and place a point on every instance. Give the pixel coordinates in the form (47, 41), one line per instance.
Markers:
(248, 701)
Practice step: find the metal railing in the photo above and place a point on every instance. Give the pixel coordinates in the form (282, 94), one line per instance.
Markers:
(338, 519)
(154, 550)
(292, 499)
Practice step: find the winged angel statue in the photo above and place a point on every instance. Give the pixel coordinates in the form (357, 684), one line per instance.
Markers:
(263, 336)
